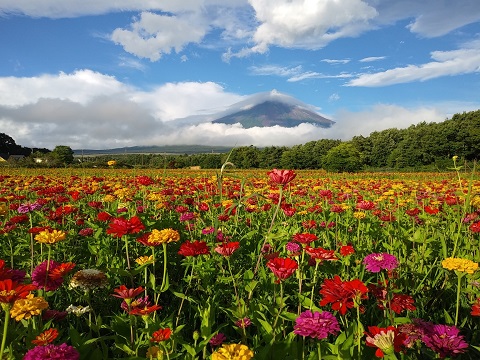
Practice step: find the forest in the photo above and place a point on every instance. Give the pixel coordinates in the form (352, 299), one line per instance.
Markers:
(420, 147)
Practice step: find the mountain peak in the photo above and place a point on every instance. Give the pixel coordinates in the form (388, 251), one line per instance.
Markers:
(270, 109)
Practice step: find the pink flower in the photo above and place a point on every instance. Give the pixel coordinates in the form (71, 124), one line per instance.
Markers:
(316, 325)
(281, 177)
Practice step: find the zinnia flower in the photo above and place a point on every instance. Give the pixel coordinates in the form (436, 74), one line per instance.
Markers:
(282, 268)
(444, 340)
(476, 308)
(218, 339)
(161, 335)
(316, 325)
(142, 260)
(321, 254)
(243, 323)
(120, 226)
(50, 237)
(381, 261)
(401, 302)
(193, 248)
(125, 293)
(343, 295)
(45, 337)
(51, 351)
(159, 237)
(53, 278)
(305, 238)
(281, 177)
(227, 248)
(144, 310)
(387, 340)
(89, 279)
(233, 352)
(461, 265)
(27, 307)
(10, 291)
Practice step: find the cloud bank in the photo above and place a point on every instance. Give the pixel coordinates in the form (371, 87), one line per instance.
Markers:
(90, 110)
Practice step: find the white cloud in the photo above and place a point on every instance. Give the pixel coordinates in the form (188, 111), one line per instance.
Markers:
(293, 74)
(153, 35)
(372, 58)
(446, 63)
(336, 61)
(308, 24)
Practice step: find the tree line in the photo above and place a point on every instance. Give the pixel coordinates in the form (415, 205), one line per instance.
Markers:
(424, 146)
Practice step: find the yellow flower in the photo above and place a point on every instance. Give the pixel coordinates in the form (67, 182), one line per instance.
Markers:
(3, 209)
(233, 352)
(475, 201)
(47, 237)
(142, 260)
(111, 163)
(454, 158)
(28, 307)
(154, 352)
(458, 264)
(359, 215)
(164, 236)
(109, 198)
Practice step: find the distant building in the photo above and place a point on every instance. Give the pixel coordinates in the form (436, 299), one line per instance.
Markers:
(195, 167)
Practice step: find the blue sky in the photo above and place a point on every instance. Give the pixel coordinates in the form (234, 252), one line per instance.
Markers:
(114, 73)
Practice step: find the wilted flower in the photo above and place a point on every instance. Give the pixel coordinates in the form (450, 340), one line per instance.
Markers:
(380, 261)
(52, 351)
(28, 307)
(316, 325)
(233, 352)
(461, 265)
(89, 279)
(154, 352)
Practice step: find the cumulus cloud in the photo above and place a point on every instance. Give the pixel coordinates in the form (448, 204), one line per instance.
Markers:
(446, 63)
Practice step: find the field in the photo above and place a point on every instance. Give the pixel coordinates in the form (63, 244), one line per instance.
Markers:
(160, 264)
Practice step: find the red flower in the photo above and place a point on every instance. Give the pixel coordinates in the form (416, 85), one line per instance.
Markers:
(430, 210)
(46, 337)
(401, 302)
(125, 293)
(121, 226)
(282, 267)
(475, 227)
(365, 205)
(61, 270)
(281, 177)
(103, 216)
(386, 340)
(228, 248)
(343, 295)
(476, 308)
(193, 248)
(144, 310)
(305, 238)
(346, 250)
(321, 254)
(161, 335)
(11, 291)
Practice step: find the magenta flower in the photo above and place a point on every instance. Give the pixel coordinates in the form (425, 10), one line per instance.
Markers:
(316, 325)
(380, 261)
(41, 278)
(218, 339)
(51, 351)
(444, 340)
(243, 323)
(292, 247)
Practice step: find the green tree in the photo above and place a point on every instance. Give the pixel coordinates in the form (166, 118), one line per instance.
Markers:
(62, 154)
(343, 158)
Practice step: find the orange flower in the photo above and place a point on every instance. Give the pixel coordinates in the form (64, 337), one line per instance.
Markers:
(161, 335)
(46, 337)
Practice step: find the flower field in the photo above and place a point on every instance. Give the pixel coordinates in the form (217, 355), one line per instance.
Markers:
(159, 264)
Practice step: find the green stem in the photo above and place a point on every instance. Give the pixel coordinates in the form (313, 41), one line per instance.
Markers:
(278, 313)
(126, 252)
(234, 284)
(314, 282)
(319, 351)
(457, 307)
(5, 329)
(269, 229)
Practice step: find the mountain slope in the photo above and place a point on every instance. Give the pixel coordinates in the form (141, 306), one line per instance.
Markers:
(274, 112)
